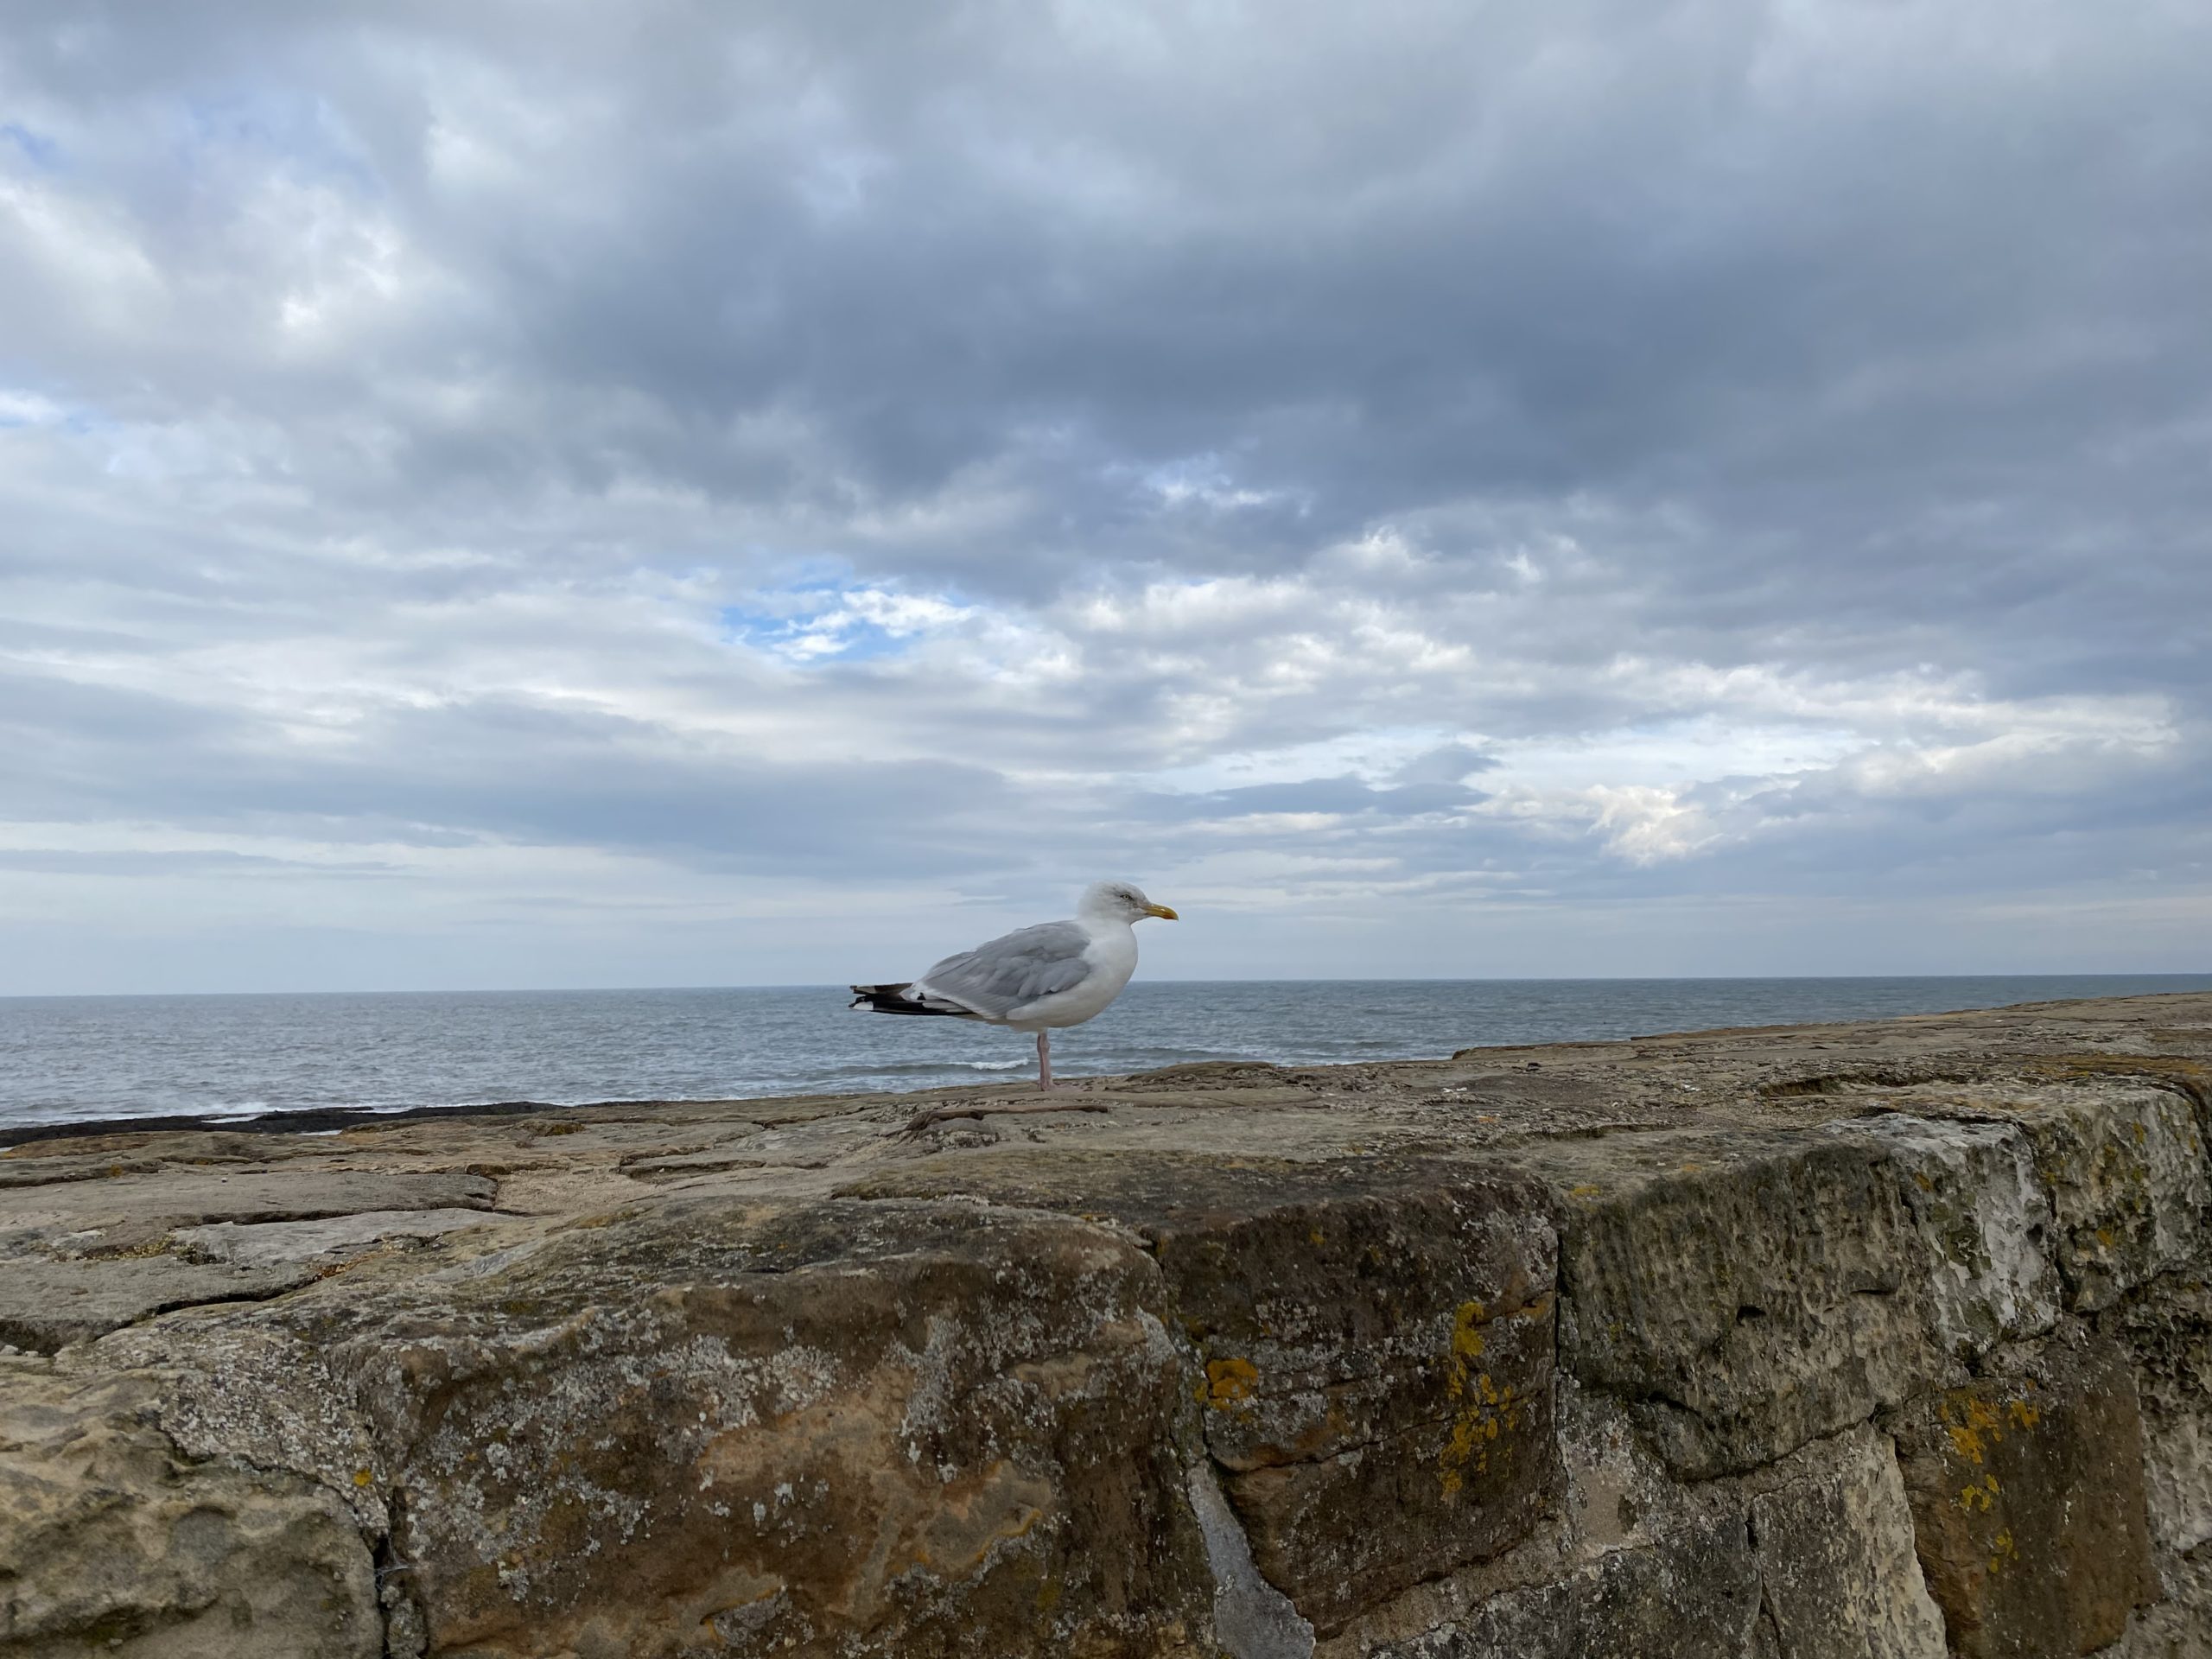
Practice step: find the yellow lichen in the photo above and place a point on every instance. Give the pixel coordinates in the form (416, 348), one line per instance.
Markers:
(1965, 1419)
(1466, 1336)
(1484, 1411)
(1232, 1380)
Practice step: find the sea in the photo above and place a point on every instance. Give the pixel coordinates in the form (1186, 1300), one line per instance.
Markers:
(72, 1058)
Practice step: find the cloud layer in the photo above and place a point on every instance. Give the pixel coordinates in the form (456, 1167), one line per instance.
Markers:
(550, 493)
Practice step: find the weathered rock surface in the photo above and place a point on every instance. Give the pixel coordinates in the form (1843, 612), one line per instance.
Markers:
(111, 1542)
(1889, 1339)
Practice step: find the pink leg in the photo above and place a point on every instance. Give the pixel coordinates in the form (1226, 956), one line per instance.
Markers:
(1044, 1059)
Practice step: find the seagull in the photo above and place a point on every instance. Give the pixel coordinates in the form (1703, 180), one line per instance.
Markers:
(1035, 978)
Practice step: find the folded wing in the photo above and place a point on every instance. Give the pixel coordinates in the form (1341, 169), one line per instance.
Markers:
(994, 979)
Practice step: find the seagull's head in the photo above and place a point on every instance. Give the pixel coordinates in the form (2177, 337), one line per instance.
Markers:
(1121, 902)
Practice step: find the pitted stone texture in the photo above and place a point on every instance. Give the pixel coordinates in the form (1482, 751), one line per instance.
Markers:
(2028, 1504)
(1619, 1494)
(2127, 1175)
(1837, 1569)
(1744, 1292)
(1985, 1222)
(2180, 1627)
(230, 1389)
(845, 1429)
(1378, 1344)
(1829, 1526)
(111, 1544)
(1694, 1594)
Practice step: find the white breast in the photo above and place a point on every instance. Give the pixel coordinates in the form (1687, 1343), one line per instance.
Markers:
(1112, 958)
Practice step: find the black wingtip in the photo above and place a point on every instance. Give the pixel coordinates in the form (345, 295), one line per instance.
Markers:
(885, 999)
(890, 998)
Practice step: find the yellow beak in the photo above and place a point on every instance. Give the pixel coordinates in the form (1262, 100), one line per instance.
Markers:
(1162, 912)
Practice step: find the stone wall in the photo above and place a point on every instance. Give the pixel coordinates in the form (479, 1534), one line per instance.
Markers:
(1890, 1340)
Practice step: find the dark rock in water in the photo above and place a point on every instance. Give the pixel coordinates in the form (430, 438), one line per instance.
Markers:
(1887, 1339)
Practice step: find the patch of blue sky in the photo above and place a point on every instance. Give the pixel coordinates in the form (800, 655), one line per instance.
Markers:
(822, 619)
(299, 128)
(41, 151)
(24, 404)
(820, 639)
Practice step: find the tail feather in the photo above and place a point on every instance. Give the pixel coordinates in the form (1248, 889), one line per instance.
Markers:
(893, 998)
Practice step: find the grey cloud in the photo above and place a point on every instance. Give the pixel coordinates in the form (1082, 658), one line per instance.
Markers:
(1343, 795)
(467, 363)
(496, 771)
(61, 860)
(1447, 763)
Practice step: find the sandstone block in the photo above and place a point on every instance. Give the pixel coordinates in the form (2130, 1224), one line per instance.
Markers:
(2167, 1328)
(1376, 1341)
(1694, 1594)
(322, 1241)
(1837, 1569)
(2128, 1181)
(184, 1197)
(2028, 1505)
(1985, 1226)
(846, 1428)
(1745, 1293)
(1378, 1381)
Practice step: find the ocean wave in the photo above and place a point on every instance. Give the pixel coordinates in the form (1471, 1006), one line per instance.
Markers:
(907, 1069)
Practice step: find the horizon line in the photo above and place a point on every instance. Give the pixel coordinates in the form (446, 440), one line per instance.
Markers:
(1283, 979)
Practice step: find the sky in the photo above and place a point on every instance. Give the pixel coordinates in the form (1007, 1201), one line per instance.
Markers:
(552, 494)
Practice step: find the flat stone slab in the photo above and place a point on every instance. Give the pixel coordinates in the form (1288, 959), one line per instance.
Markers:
(191, 1195)
(47, 1304)
(288, 1243)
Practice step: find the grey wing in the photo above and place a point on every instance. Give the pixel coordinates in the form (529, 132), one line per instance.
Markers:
(996, 978)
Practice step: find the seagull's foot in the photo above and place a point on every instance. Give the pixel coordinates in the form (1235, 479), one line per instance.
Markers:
(938, 1114)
